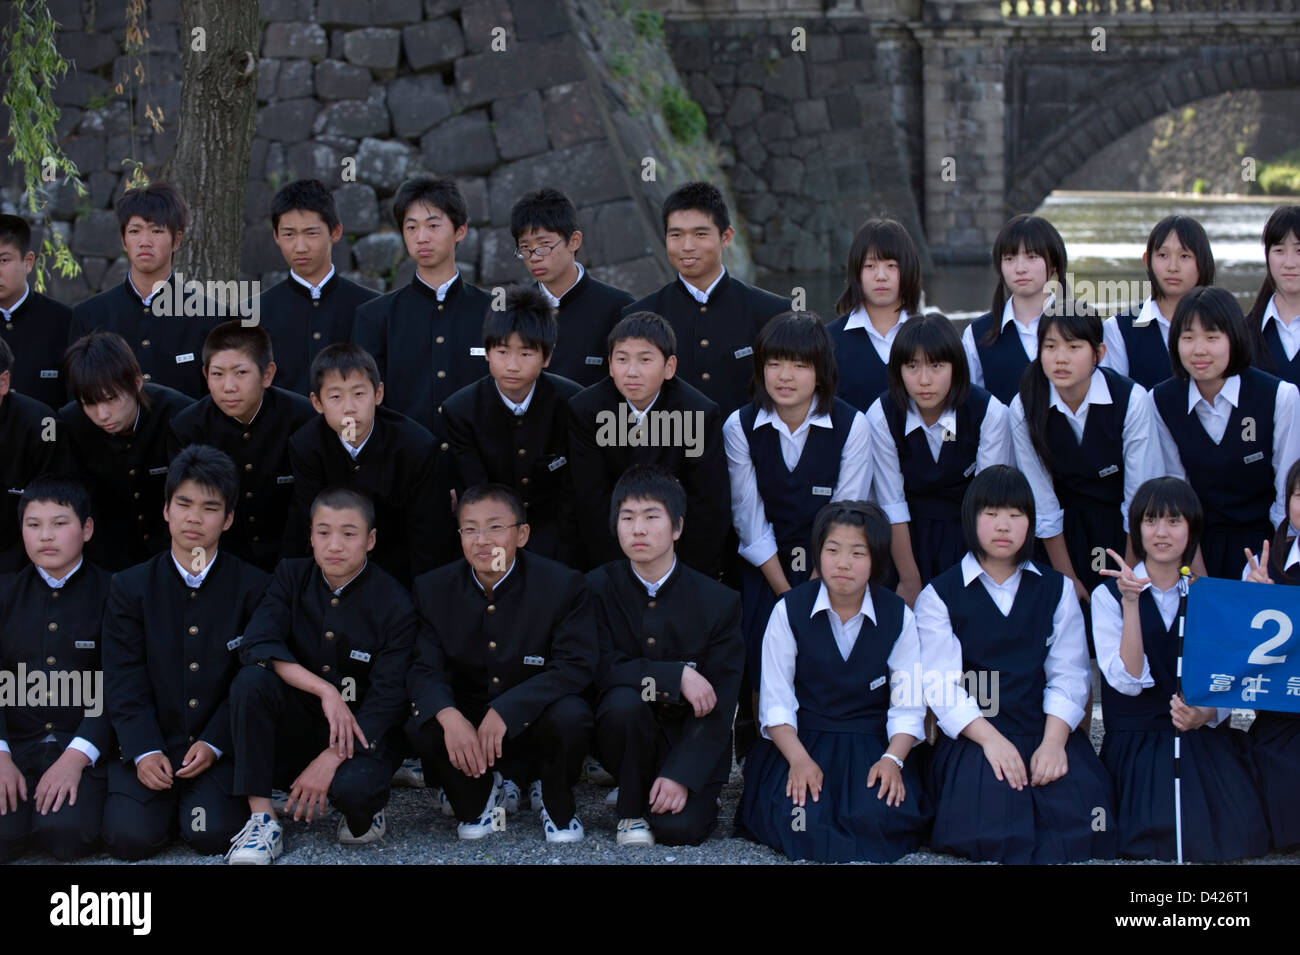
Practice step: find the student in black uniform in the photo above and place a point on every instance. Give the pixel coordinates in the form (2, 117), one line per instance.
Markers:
(544, 224)
(1177, 260)
(512, 425)
(1027, 254)
(671, 657)
(1226, 427)
(323, 688)
(152, 222)
(882, 290)
(29, 436)
(715, 317)
(643, 414)
(427, 336)
(172, 631)
(52, 763)
(116, 431)
(314, 306)
(1272, 319)
(359, 443)
(507, 643)
(251, 420)
(34, 325)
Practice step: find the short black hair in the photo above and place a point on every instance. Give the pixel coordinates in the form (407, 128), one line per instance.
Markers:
(653, 328)
(527, 314)
(547, 210)
(158, 204)
(252, 340)
(99, 366)
(207, 467)
(1215, 310)
(882, 239)
(1192, 237)
(1166, 497)
(492, 492)
(56, 489)
(442, 194)
(864, 514)
(644, 482)
(15, 231)
(343, 359)
(305, 195)
(6, 357)
(933, 336)
(343, 499)
(796, 336)
(997, 487)
(1037, 235)
(700, 197)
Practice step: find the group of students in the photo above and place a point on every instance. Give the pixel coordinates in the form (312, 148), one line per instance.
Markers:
(397, 497)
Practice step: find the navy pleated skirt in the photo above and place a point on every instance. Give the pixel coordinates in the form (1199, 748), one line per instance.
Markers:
(1275, 750)
(937, 544)
(984, 819)
(1085, 530)
(1223, 814)
(848, 823)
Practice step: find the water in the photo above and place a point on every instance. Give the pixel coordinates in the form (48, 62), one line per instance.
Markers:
(1105, 235)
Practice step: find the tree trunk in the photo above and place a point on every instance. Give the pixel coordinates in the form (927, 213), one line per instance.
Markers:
(209, 164)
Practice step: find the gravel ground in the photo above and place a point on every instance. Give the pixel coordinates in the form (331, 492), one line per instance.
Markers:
(419, 835)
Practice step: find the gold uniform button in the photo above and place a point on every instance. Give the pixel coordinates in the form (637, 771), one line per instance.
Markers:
(145, 343)
(256, 539)
(440, 306)
(651, 605)
(50, 661)
(137, 495)
(48, 727)
(704, 308)
(325, 668)
(329, 634)
(315, 336)
(54, 595)
(247, 435)
(140, 517)
(193, 594)
(444, 446)
(53, 626)
(704, 343)
(248, 495)
(492, 644)
(194, 704)
(523, 481)
(248, 466)
(130, 472)
(522, 452)
(442, 373)
(439, 409)
(356, 467)
(496, 679)
(193, 631)
(193, 667)
(705, 376)
(251, 518)
(650, 641)
(334, 601)
(491, 608)
(191, 739)
(146, 378)
(440, 339)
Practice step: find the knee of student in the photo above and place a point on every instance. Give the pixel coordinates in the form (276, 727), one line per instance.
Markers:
(685, 828)
(65, 839)
(255, 682)
(130, 844)
(207, 840)
(567, 716)
(621, 704)
(11, 849)
(360, 782)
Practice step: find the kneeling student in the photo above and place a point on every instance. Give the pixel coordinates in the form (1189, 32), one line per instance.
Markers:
(52, 779)
(172, 631)
(323, 685)
(507, 643)
(671, 656)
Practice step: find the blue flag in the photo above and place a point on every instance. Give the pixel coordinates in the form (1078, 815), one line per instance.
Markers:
(1240, 646)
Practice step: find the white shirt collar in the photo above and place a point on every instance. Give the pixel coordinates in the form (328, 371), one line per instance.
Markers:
(947, 419)
(1009, 311)
(1293, 555)
(1270, 311)
(193, 580)
(58, 584)
(858, 318)
(638, 415)
(652, 588)
(1150, 312)
(1230, 392)
(555, 299)
(1098, 394)
(702, 297)
(823, 602)
(146, 299)
(7, 312)
(971, 570)
(364, 564)
(441, 290)
(353, 452)
(314, 289)
(1140, 571)
(811, 420)
(520, 408)
(473, 575)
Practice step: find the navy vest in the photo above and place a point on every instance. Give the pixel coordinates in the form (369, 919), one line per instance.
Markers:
(1148, 352)
(935, 488)
(863, 376)
(789, 499)
(1288, 369)
(1149, 710)
(1234, 479)
(1004, 362)
(1013, 647)
(836, 695)
(1091, 472)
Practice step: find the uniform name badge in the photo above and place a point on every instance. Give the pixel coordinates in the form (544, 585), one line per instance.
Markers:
(822, 491)
(49, 373)
(595, 360)
(877, 683)
(1252, 458)
(84, 644)
(558, 463)
(1108, 471)
(743, 352)
(479, 352)
(235, 642)
(535, 661)
(154, 471)
(969, 471)
(284, 479)
(359, 655)
(182, 359)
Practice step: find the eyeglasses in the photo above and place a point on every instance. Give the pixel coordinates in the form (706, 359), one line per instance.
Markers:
(491, 532)
(541, 252)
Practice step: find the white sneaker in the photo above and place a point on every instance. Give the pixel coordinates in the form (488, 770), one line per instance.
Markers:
(535, 795)
(570, 833)
(410, 774)
(634, 832)
(260, 842)
(596, 774)
(511, 790)
(493, 816)
(611, 797)
(378, 828)
(442, 802)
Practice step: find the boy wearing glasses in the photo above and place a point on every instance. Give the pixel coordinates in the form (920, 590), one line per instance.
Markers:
(544, 224)
(507, 642)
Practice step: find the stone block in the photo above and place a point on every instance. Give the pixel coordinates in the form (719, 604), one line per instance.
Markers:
(519, 125)
(463, 143)
(433, 44)
(416, 103)
(305, 40)
(373, 47)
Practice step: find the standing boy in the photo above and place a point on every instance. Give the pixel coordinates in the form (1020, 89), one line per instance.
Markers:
(52, 755)
(34, 325)
(314, 306)
(29, 447)
(172, 632)
(544, 224)
(251, 420)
